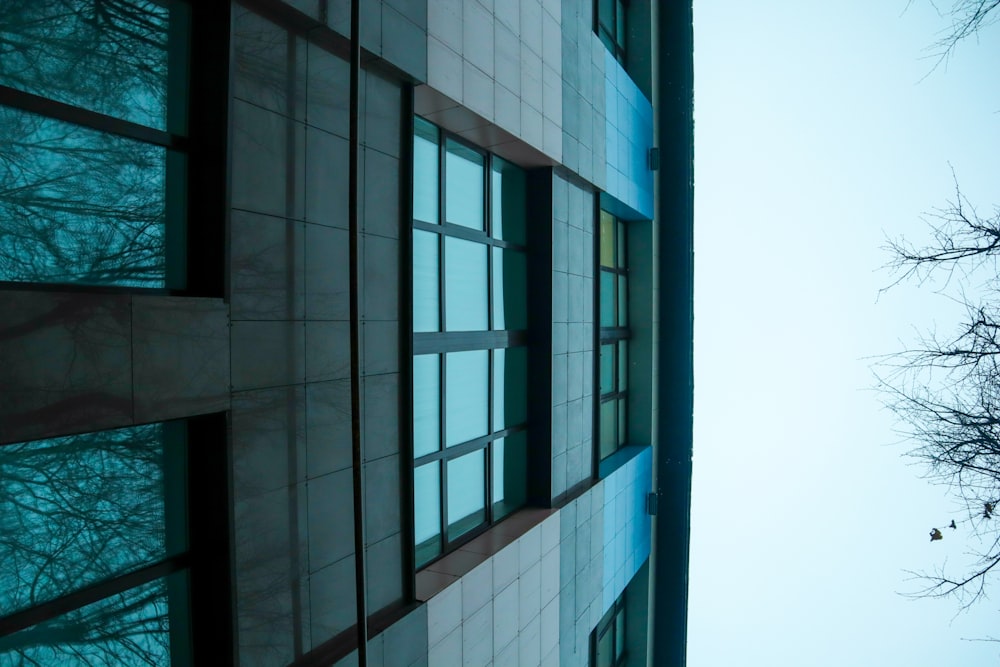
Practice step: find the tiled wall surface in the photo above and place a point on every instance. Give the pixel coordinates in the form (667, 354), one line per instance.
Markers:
(583, 93)
(629, 133)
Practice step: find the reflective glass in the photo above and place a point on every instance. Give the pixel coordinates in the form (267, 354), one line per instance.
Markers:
(464, 200)
(80, 206)
(82, 509)
(620, 23)
(607, 369)
(426, 292)
(139, 626)
(606, 13)
(608, 307)
(510, 289)
(467, 395)
(510, 387)
(607, 239)
(466, 286)
(621, 245)
(115, 59)
(622, 423)
(609, 427)
(427, 511)
(466, 493)
(605, 650)
(510, 474)
(623, 364)
(622, 301)
(620, 634)
(425, 171)
(509, 202)
(426, 404)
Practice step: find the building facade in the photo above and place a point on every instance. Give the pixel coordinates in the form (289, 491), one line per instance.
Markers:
(302, 329)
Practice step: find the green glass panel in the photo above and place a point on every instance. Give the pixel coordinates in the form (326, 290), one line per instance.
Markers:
(468, 394)
(620, 23)
(427, 511)
(622, 423)
(510, 289)
(606, 650)
(426, 404)
(609, 428)
(426, 276)
(509, 188)
(466, 286)
(464, 200)
(623, 364)
(620, 634)
(80, 206)
(466, 493)
(118, 59)
(622, 301)
(621, 246)
(426, 156)
(510, 474)
(510, 387)
(607, 239)
(608, 307)
(87, 508)
(607, 368)
(606, 13)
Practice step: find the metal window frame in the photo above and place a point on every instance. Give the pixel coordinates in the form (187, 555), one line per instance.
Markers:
(611, 335)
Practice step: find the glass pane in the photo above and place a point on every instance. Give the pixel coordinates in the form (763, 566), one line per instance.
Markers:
(607, 368)
(609, 424)
(466, 285)
(606, 13)
(620, 23)
(510, 474)
(425, 171)
(608, 309)
(622, 301)
(605, 650)
(86, 508)
(510, 289)
(426, 404)
(427, 511)
(607, 239)
(464, 185)
(112, 60)
(622, 423)
(426, 293)
(623, 364)
(621, 245)
(467, 392)
(136, 627)
(620, 634)
(80, 206)
(509, 202)
(510, 387)
(466, 493)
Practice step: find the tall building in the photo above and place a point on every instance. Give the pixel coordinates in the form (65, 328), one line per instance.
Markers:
(299, 329)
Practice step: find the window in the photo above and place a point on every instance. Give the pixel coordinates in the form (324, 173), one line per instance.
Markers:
(607, 642)
(94, 548)
(93, 115)
(470, 362)
(609, 24)
(614, 335)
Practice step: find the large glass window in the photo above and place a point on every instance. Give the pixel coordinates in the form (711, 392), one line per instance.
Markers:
(614, 334)
(93, 125)
(470, 319)
(94, 547)
(607, 642)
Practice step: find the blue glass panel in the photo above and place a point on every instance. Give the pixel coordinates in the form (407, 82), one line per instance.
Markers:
(466, 493)
(510, 289)
(467, 396)
(464, 200)
(425, 171)
(608, 306)
(622, 302)
(427, 511)
(607, 369)
(509, 199)
(510, 474)
(609, 428)
(510, 387)
(466, 287)
(426, 274)
(426, 404)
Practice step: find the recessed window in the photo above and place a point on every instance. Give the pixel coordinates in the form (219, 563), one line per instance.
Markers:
(470, 320)
(614, 334)
(609, 24)
(607, 642)
(94, 167)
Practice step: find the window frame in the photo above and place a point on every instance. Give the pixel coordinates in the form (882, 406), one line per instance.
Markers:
(608, 623)
(616, 336)
(609, 34)
(443, 342)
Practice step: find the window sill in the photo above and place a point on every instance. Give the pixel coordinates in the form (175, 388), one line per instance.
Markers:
(618, 459)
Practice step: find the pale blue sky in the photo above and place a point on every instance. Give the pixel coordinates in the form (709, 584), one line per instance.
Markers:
(815, 138)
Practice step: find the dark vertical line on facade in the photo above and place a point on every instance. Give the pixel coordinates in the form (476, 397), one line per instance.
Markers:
(406, 345)
(357, 459)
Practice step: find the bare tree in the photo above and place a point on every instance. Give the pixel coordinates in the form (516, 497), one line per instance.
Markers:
(966, 19)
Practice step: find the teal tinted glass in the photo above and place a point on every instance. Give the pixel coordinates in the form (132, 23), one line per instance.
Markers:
(510, 387)
(466, 493)
(510, 474)
(608, 306)
(510, 289)
(464, 197)
(622, 421)
(427, 511)
(607, 368)
(466, 286)
(81, 206)
(426, 404)
(123, 60)
(609, 428)
(467, 395)
(83, 509)
(622, 364)
(426, 276)
(509, 197)
(622, 301)
(426, 157)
